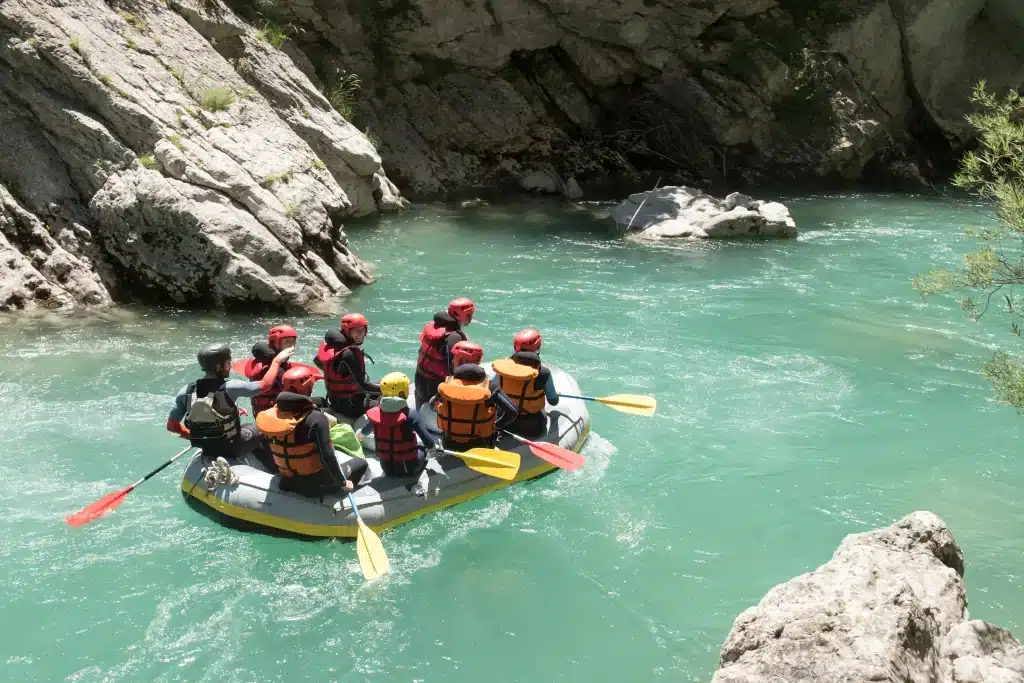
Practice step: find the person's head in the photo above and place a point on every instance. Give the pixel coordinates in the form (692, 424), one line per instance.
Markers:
(215, 360)
(300, 380)
(467, 352)
(354, 326)
(527, 340)
(282, 337)
(470, 373)
(528, 358)
(462, 310)
(395, 384)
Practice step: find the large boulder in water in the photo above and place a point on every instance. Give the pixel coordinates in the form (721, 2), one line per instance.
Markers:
(678, 211)
(889, 606)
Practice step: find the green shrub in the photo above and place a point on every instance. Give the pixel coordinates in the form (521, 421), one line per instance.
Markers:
(219, 98)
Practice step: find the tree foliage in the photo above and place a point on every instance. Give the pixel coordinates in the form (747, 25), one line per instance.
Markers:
(994, 172)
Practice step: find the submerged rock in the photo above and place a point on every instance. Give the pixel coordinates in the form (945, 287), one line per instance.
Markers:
(678, 211)
(889, 606)
(203, 165)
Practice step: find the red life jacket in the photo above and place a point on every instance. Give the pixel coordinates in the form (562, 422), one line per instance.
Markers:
(432, 363)
(339, 383)
(254, 371)
(393, 435)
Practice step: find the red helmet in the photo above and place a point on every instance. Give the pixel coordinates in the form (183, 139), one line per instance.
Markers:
(300, 380)
(468, 352)
(279, 333)
(527, 340)
(462, 310)
(351, 320)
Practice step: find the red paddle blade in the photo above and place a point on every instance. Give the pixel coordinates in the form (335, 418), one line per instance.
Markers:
(238, 367)
(557, 456)
(94, 511)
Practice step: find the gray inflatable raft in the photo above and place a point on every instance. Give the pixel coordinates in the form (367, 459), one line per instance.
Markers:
(384, 502)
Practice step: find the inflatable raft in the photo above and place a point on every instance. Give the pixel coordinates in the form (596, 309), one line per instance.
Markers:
(256, 500)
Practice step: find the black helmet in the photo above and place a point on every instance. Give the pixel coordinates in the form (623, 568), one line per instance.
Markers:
(212, 357)
(470, 372)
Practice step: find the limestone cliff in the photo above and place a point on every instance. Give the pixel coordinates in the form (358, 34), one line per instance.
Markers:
(889, 606)
(474, 93)
(166, 152)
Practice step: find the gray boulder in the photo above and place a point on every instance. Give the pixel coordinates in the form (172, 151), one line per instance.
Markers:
(889, 606)
(678, 211)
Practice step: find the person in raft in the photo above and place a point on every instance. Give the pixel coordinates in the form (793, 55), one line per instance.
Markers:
(469, 414)
(437, 339)
(300, 440)
(349, 391)
(395, 427)
(279, 338)
(206, 413)
(526, 382)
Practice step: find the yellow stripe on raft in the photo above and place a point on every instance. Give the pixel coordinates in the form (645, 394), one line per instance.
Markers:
(345, 530)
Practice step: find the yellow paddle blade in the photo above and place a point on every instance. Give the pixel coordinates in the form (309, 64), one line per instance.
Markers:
(372, 558)
(634, 404)
(491, 461)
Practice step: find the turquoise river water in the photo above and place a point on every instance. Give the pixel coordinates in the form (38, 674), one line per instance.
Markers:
(805, 392)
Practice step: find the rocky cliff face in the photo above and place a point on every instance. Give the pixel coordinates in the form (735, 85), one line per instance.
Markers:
(168, 153)
(185, 151)
(889, 606)
(468, 94)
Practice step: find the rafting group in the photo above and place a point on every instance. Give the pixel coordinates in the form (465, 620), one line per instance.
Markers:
(291, 434)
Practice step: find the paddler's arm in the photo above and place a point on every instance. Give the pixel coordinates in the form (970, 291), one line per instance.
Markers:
(549, 385)
(358, 371)
(317, 422)
(177, 413)
(267, 383)
(507, 412)
(426, 437)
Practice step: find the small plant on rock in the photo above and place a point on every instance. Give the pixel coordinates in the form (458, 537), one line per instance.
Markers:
(134, 21)
(271, 33)
(219, 98)
(148, 161)
(342, 93)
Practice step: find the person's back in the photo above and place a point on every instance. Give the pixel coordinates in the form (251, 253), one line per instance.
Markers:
(395, 426)
(206, 412)
(513, 376)
(299, 439)
(469, 414)
(437, 340)
(520, 378)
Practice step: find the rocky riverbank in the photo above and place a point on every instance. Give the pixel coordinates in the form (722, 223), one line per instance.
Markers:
(167, 152)
(207, 154)
(889, 606)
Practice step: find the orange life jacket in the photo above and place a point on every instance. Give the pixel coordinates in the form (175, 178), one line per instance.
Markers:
(292, 457)
(517, 381)
(462, 413)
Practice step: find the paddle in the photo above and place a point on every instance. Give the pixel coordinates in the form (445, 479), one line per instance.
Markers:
(634, 404)
(490, 461)
(556, 455)
(94, 511)
(372, 558)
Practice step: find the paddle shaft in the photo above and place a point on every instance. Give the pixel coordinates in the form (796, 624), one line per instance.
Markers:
(642, 204)
(582, 398)
(355, 508)
(160, 469)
